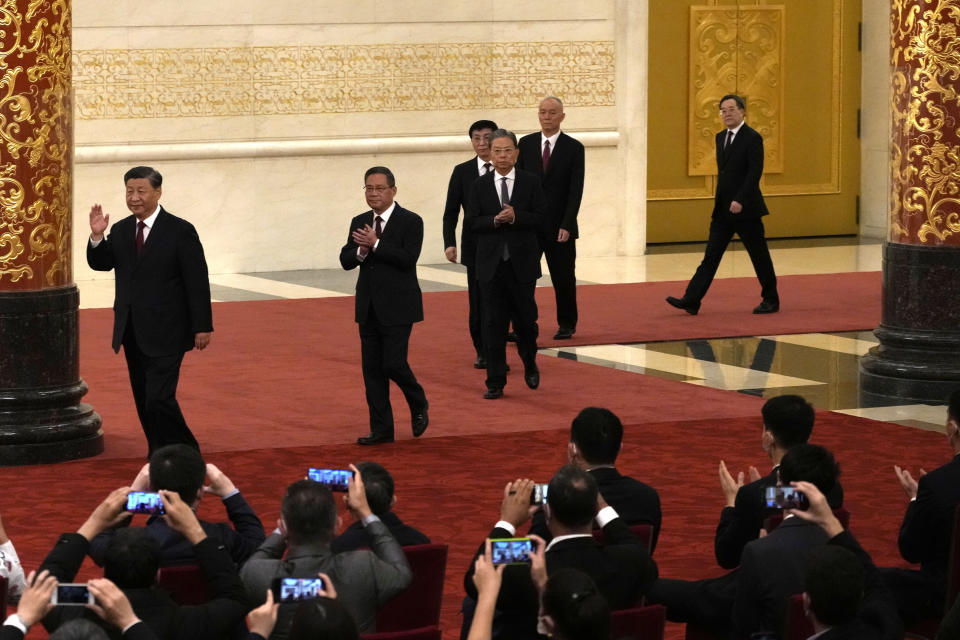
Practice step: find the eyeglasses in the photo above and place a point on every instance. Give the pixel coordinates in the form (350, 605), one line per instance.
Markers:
(378, 188)
(730, 110)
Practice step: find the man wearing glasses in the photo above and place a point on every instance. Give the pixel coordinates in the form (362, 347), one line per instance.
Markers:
(738, 207)
(385, 243)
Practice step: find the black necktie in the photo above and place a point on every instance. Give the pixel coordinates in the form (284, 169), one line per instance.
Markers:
(486, 168)
(504, 194)
(729, 140)
(140, 225)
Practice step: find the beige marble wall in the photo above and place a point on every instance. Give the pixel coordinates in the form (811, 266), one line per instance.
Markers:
(263, 116)
(875, 119)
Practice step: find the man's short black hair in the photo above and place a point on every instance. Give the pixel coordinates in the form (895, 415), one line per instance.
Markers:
(149, 173)
(834, 582)
(572, 496)
(179, 468)
(503, 133)
(480, 125)
(741, 103)
(789, 418)
(391, 182)
(597, 433)
(79, 629)
(132, 558)
(572, 600)
(323, 618)
(309, 511)
(811, 463)
(953, 408)
(378, 484)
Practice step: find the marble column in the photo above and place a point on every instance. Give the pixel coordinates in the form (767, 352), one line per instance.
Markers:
(41, 416)
(918, 359)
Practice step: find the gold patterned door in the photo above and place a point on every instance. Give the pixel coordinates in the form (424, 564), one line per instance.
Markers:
(797, 64)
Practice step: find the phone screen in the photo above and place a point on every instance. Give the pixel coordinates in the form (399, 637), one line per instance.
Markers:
(539, 494)
(785, 498)
(511, 550)
(72, 594)
(295, 589)
(142, 502)
(334, 479)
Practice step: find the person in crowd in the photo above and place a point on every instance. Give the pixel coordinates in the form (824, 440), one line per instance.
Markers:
(596, 436)
(787, 422)
(379, 487)
(181, 469)
(300, 548)
(10, 567)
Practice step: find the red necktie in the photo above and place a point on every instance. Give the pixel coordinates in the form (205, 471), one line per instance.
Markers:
(140, 226)
(378, 226)
(546, 154)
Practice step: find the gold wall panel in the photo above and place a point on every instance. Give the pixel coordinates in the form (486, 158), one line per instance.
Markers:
(735, 50)
(243, 81)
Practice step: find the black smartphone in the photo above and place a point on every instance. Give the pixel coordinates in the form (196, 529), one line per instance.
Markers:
(539, 494)
(143, 502)
(511, 550)
(71, 595)
(334, 479)
(295, 589)
(785, 498)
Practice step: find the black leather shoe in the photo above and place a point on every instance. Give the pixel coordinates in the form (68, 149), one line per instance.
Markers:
(419, 420)
(512, 336)
(374, 438)
(767, 307)
(492, 394)
(480, 363)
(564, 333)
(532, 377)
(680, 303)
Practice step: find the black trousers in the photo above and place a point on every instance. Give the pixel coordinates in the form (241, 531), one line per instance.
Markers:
(154, 380)
(506, 299)
(919, 594)
(383, 352)
(704, 603)
(476, 311)
(751, 233)
(561, 261)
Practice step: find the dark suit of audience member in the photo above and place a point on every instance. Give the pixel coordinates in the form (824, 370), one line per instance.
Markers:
(162, 304)
(388, 302)
(507, 265)
(458, 196)
(560, 168)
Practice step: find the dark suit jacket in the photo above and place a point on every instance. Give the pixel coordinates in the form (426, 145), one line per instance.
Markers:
(388, 276)
(357, 537)
(138, 631)
(621, 568)
(928, 523)
(217, 618)
(563, 182)
(634, 501)
(771, 570)
(742, 522)
(166, 290)
(458, 195)
(738, 175)
(529, 205)
(240, 540)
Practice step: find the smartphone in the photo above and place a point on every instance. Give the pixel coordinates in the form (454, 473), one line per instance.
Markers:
(785, 498)
(539, 494)
(334, 479)
(142, 502)
(295, 589)
(72, 595)
(511, 550)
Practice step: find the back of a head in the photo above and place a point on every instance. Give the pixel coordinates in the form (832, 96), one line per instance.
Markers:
(179, 468)
(79, 629)
(953, 406)
(789, 419)
(834, 582)
(574, 603)
(811, 463)
(132, 558)
(597, 433)
(309, 512)
(322, 619)
(572, 497)
(378, 484)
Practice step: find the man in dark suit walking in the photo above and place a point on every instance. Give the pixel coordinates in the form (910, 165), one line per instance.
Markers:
(505, 212)
(458, 195)
(738, 207)
(162, 305)
(385, 243)
(558, 160)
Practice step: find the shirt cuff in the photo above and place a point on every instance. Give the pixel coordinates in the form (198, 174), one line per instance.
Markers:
(15, 621)
(370, 518)
(503, 524)
(605, 515)
(376, 244)
(130, 626)
(231, 494)
(94, 243)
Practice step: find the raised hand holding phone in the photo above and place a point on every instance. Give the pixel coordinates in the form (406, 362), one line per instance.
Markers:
(819, 512)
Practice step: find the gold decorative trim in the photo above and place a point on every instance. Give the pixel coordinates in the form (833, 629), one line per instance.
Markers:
(244, 81)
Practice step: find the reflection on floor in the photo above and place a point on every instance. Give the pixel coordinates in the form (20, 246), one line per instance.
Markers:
(821, 367)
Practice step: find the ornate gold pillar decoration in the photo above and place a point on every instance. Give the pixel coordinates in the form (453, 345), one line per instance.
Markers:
(919, 354)
(41, 418)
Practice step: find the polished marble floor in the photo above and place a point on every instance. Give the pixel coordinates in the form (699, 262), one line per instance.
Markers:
(822, 366)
